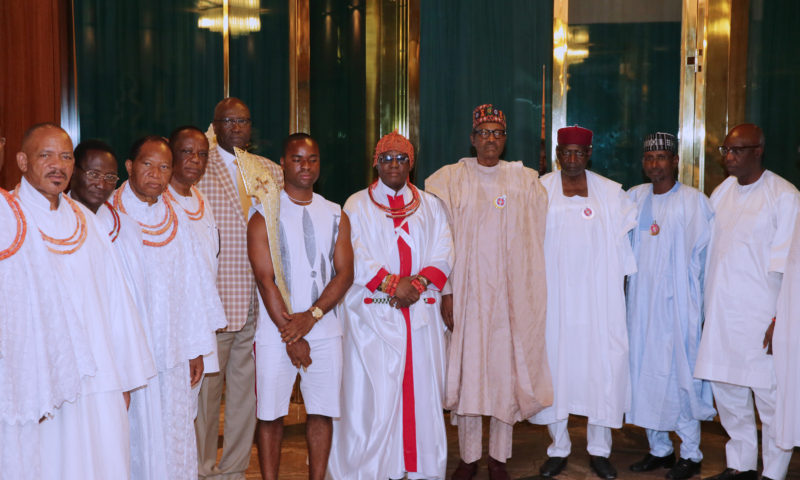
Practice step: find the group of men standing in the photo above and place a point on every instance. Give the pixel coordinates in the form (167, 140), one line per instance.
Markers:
(493, 293)
(703, 279)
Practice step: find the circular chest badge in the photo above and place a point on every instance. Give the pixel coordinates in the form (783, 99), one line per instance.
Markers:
(587, 213)
(500, 201)
(654, 228)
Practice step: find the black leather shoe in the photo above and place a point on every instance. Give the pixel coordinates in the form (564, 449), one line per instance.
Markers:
(497, 470)
(684, 469)
(552, 466)
(651, 462)
(465, 471)
(602, 467)
(731, 474)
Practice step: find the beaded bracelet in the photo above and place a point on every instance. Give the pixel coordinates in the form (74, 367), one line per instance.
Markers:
(391, 288)
(385, 283)
(416, 283)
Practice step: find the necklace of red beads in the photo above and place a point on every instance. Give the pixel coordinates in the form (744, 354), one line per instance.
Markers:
(400, 212)
(201, 209)
(114, 233)
(74, 242)
(169, 223)
(22, 226)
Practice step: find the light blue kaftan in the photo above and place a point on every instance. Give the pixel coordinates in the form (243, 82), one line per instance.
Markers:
(665, 305)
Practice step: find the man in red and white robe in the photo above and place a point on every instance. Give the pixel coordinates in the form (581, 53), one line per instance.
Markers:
(394, 352)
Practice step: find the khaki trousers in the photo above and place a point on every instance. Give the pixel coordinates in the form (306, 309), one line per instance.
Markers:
(237, 375)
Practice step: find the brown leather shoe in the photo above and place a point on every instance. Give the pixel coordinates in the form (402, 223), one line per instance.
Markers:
(465, 471)
(497, 470)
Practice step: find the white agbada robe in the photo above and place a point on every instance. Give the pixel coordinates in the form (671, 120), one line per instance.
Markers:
(44, 353)
(184, 313)
(88, 438)
(785, 342)
(148, 458)
(587, 255)
(752, 232)
(206, 237)
(665, 307)
(369, 440)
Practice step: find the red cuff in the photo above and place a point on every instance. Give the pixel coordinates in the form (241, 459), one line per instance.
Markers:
(435, 276)
(373, 284)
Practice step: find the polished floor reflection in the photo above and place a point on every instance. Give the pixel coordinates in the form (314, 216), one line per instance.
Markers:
(530, 445)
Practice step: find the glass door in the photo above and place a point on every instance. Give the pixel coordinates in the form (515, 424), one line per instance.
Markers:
(617, 68)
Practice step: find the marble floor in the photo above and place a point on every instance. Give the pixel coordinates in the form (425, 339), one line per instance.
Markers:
(529, 451)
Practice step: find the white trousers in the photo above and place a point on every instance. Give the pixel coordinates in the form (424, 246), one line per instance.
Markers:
(470, 438)
(735, 407)
(598, 440)
(688, 431)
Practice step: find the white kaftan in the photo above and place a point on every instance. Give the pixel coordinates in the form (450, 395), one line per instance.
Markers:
(587, 255)
(44, 352)
(184, 312)
(785, 345)
(88, 438)
(195, 211)
(750, 241)
(665, 307)
(148, 459)
(394, 360)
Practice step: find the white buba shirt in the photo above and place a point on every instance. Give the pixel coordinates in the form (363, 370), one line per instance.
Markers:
(587, 255)
(752, 231)
(308, 237)
(369, 437)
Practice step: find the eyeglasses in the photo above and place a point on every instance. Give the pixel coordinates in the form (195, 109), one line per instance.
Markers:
(95, 175)
(736, 151)
(485, 133)
(569, 153)
(400, 157)
(229, 122)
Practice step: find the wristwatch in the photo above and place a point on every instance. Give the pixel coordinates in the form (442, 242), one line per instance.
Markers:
(316, 312)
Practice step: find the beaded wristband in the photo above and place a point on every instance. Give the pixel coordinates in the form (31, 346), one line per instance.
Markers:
(416, 283)
(391, 288)
(385, 283)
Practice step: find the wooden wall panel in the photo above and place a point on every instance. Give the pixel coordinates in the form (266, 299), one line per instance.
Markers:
(34, 47)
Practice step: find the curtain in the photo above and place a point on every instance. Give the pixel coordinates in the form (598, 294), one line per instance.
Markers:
(474, 52)
(145, 67)
(627, 87)
(773, 74)
(338, 86)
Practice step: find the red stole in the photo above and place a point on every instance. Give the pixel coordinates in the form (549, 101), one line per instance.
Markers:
(409, 415)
